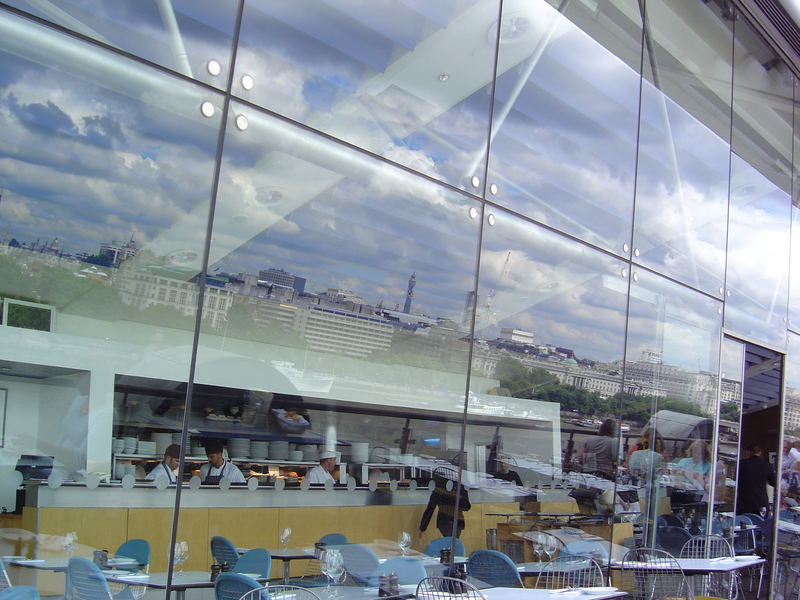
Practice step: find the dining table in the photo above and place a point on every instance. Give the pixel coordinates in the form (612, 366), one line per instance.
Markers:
(181, 581)
(703, 566)
(59, 564)
(515, 593)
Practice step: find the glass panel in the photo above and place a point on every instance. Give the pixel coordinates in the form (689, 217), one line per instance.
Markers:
(790, 465)
(758, 256)
(688, 57)
(407, 80)
(681, 195)
(549, 339)
(762, 107)
(104, 163)
(338, 371)
(683, 169)
(555, 157)
(616, 24)
(191, 38)
(794, 266)
(671, 381)
(728, 435)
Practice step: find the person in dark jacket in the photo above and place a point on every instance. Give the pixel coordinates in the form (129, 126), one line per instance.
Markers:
(751, 488)
(445, 500)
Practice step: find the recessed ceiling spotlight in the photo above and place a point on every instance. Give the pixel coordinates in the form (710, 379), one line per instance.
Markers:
(444, 77)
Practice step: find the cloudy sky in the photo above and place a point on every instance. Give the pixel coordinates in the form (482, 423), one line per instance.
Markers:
(98, 148)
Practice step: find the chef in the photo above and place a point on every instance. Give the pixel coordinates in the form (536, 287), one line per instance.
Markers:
(217, 467)
(167, 467)
(322, 472)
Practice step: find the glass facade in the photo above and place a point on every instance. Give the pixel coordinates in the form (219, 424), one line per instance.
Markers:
(519, 272)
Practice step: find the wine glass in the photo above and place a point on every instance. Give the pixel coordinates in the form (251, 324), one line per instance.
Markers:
(337, 573)
(69, 542)
(181, 554)
(286, 535)
(325, 561)
(404, 541)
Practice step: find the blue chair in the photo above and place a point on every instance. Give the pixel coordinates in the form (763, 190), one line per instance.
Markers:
(86, 582)
(492, 569)
(232, 586)
(359, 561)
(138, 550)
(409, 570)
(256, 561)
(672, 539)
(19, 592)
(590, 548)
(435, 547)
(334, 539)
(670, 520)
(224, 551)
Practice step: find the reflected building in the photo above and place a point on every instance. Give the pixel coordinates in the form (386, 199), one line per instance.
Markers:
(398, 238)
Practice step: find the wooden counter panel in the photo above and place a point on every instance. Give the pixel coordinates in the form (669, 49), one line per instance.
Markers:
(155, 526)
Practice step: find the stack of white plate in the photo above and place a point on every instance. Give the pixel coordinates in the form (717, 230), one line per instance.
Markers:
(197, 450)
(162, 441)
(359, 452)
(176, 439)
(117, 445)
(259, 450)
(239, 448)
(279, 450)
(146, 448)
(310, 452)
(129, 444)
(295, 455)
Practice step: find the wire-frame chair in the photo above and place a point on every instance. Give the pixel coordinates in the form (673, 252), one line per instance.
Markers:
(491, 568)
(652, 574)
(232, 586)
(280, 592)
(544, 545)
(224, 551)
(443, 588)
(720, 585)
(5, 582)
(570, 571)
(85, 581)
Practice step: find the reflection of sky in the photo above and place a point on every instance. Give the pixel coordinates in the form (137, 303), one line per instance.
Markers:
(360, 72)
(758, 254)
(570, 159)
(206, 29)
(558, 290)
(89, 164)
(681, 324)
(368, 232)
(682, 194)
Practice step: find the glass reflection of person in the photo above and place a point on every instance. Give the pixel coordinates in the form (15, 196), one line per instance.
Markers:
(445, 501)
(751, 487)
(696, 467)
(504, 472)
(598, 455)
(647, 462)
